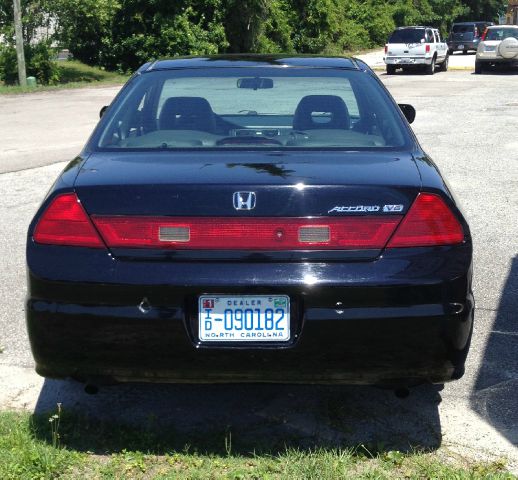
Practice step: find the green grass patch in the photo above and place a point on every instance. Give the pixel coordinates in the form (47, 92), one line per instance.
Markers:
(72, 74)
(69, 446)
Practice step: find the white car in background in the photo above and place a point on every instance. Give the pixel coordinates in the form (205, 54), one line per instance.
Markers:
(499, 45)
(416, 47)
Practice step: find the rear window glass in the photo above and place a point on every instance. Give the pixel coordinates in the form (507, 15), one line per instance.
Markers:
(463, 28)
(252, 108)
(411, 35)
(501, 33)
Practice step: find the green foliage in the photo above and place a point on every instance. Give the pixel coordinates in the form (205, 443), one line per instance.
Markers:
(84, 26)
(144, 30)
(39, 64)
(259, 26)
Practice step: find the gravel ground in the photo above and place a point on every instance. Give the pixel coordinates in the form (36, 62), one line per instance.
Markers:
(466, 123)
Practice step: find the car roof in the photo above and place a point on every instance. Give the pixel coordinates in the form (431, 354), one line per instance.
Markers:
(412, 26)
(255, 60)
(502, 26)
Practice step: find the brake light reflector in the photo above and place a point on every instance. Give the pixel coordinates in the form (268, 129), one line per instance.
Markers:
(65, 222)
(427, 49)
(237, 233)
(428, 222)
(484, 35)
(386, 48)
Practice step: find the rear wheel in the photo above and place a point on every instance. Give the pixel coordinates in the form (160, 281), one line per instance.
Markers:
(450, 51)
(478, 67)
(430, 69)
(464, 52)
(444, 64)
(391, 69)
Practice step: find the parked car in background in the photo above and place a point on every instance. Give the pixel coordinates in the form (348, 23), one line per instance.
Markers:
(466, 36)
(416, 47)
(499, 45)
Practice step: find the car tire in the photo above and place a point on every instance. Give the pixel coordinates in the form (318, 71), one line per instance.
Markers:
(445, 63)
(450, 51)
(430, 69)
(464, 52)
(391, 69)
(478, 67)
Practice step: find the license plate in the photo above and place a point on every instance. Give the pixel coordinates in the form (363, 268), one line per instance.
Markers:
(460, 47)
(244, 318)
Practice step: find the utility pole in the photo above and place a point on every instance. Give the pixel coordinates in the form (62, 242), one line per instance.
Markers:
(20, 55)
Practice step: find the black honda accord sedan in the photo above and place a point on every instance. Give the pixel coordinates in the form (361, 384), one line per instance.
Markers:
(251, 219)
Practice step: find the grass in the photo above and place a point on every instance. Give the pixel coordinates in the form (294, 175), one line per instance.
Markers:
(65, 446)
(73, 74)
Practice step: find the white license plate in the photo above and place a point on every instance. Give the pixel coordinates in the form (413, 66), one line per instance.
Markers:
(461, 47)
(244, 318)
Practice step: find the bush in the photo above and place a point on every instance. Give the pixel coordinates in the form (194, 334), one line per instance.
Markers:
(186, 33)
(38, 61)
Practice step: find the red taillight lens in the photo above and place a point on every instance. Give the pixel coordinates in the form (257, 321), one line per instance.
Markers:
(428, 222)
(247, 233)
(427, 49)
(386, 48)
(65, 222)
(484, 35)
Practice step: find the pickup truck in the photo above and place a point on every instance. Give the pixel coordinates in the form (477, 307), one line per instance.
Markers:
(416, 47)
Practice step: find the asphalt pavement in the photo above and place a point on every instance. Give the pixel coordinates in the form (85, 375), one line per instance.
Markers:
(467, 123)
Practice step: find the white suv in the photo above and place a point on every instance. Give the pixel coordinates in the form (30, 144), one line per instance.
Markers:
(499, 44)
(416, 47)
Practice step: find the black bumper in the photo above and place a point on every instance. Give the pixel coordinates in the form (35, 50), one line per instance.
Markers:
(465, 46)
(404, 318)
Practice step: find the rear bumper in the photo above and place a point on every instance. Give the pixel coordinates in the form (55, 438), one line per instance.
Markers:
(491, 57)
(406, 317)
(463, 45)
(408, 61)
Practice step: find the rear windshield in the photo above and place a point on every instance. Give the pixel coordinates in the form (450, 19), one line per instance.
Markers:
(463, 28)
(411, 35)
(252, 108)
(501, 33)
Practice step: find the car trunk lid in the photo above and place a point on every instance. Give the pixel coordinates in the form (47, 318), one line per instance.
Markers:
(218, 185)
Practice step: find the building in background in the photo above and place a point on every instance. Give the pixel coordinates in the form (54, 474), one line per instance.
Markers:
(511, 16)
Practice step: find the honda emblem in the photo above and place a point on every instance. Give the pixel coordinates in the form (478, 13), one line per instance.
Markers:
(244, 200)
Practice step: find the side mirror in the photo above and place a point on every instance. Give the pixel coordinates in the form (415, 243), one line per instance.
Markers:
(408, 111)
(103, 110)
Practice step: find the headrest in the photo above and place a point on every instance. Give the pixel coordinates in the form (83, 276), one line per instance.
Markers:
(306, 114)
(187, 113)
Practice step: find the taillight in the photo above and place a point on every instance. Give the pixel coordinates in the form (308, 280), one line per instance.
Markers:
(484, 35)
(64, 222)
(427, 48)
(428, 222)
(386, 48)
(361, 232)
